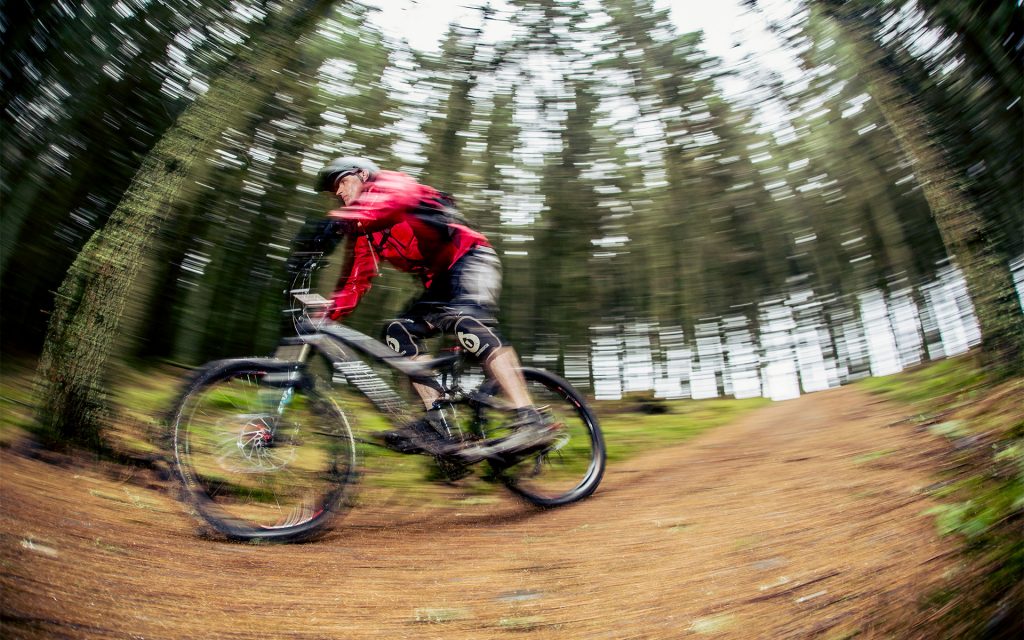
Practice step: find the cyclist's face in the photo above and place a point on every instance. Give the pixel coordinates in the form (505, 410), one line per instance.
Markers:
(348, 188)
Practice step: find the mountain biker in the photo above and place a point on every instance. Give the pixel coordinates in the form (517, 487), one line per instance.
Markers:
(392, 217)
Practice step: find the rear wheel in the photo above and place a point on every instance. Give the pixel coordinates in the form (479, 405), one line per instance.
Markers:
(260, 453)
(571, 467)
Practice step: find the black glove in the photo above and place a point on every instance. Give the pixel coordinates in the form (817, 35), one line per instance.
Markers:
(317, 238)
(323, 237)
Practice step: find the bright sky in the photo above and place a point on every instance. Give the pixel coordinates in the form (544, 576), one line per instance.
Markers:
(423, 22)
(725, 24)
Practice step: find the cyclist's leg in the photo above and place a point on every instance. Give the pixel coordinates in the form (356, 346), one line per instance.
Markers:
(406, 335)
(505, 368)
(471, 315)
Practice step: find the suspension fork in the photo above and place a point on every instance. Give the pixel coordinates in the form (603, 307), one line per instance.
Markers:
(286, 399)
(294, 352)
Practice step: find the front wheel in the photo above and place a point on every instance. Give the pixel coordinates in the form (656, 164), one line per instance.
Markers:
(571, 467)
(260, 454)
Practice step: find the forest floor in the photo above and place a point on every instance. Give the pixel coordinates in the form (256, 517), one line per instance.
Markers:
(803, 519)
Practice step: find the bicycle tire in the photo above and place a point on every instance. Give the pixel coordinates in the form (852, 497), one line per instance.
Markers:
(572, 467)
(259, 453)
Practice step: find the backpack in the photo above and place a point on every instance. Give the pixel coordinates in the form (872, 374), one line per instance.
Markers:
(441, 213)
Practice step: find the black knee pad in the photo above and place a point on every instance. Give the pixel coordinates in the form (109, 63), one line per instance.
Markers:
(476, 337)
(405, 336)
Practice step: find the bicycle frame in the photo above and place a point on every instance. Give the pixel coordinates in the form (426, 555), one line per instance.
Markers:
(332, 341)
(250, 502)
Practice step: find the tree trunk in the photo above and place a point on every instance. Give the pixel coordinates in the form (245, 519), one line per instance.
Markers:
(961, 225)
(91, 300)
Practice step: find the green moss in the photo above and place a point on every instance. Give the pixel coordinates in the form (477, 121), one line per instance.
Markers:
(953, 376)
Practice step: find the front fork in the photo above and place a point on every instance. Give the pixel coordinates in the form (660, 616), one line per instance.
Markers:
(297, 353)
(286, 398)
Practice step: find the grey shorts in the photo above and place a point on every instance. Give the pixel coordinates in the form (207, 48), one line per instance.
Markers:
(464, 304)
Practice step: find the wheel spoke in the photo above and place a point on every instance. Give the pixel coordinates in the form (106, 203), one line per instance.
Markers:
(261, 461)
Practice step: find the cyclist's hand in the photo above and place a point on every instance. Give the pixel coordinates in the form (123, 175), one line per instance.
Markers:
(335, 314)
(316, 237)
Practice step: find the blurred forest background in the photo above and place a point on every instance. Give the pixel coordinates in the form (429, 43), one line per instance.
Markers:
(659, 232)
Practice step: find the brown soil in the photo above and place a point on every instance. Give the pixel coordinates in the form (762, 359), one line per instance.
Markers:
(802, 520)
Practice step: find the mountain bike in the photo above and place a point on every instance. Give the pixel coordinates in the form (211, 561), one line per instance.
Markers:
(266, 448)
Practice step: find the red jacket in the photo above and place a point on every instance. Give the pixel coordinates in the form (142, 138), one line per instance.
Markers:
(387, 231)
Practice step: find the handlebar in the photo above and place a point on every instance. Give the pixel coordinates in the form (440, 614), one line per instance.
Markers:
(301, 304)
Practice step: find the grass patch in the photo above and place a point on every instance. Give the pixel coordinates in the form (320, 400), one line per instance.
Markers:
(951, 377)
(18, 394)
(148, 393)
(141, 396)
(628, 433)
(629, 428)
(110, 548)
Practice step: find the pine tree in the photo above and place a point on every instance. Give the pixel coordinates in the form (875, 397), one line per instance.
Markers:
(962, 225)
(91, 300)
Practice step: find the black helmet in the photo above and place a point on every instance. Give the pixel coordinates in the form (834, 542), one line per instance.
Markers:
(328, 176)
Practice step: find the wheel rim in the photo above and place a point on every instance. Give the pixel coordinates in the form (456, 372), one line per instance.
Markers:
(565, 470)
(261, 457)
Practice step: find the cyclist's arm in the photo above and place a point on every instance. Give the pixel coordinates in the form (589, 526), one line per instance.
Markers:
(356, 278)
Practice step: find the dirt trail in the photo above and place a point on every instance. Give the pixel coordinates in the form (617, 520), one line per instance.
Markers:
(802, 520)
